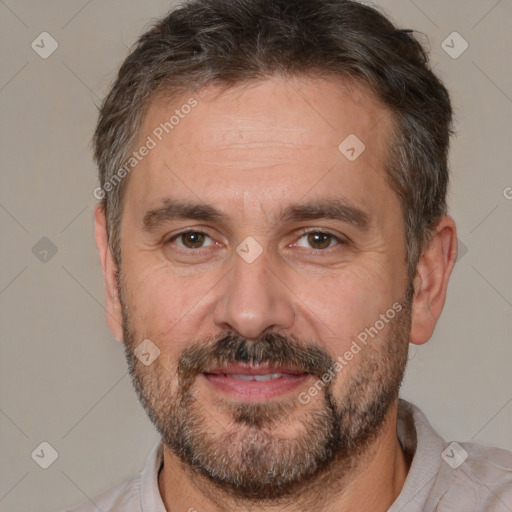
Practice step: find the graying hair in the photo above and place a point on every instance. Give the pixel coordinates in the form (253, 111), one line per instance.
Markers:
(231, 42)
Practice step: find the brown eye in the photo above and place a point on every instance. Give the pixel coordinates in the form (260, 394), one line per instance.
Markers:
(191, 239)
(319, 240)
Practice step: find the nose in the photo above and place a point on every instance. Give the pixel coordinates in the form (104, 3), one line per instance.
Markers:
(253, 300)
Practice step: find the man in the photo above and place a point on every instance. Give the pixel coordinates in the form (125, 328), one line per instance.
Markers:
(273, 234)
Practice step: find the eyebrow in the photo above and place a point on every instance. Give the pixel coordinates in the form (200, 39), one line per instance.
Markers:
(335, 209)
(173, 210)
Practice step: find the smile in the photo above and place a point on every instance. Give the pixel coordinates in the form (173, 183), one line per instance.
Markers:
(259, 378)
(246, 383)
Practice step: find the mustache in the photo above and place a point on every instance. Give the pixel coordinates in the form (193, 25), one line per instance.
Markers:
(271, 350)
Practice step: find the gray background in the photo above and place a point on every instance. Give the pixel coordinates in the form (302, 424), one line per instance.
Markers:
(63, 377)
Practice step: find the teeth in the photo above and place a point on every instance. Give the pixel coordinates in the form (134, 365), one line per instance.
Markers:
(269, 376)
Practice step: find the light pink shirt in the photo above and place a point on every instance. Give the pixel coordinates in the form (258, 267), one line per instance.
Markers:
(444, 477)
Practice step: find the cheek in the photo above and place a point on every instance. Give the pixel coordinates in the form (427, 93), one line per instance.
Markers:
(344, 304)
(164, 306)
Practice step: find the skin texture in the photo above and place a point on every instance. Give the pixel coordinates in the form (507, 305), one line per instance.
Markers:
(250, 152)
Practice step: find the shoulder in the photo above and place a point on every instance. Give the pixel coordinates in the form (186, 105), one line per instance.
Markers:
(123, 497)
(490, 467)
(478, 475)
(134, 494)
(450, 476)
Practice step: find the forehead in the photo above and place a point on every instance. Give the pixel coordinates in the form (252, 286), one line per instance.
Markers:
(270, 140)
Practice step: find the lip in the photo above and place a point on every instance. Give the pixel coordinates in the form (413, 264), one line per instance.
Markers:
(232, 380)
(262, 369)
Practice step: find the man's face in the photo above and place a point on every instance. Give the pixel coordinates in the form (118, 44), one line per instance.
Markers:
(246, 327)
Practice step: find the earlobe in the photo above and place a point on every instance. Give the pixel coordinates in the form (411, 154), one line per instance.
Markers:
(431, 281)
(110, 276)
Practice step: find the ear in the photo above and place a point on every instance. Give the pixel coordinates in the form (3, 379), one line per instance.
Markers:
(431, 280)
(112, 302)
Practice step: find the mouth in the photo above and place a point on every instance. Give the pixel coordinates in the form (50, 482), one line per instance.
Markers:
(254, 383)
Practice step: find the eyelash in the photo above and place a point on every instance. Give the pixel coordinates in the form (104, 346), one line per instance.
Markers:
(340, 241)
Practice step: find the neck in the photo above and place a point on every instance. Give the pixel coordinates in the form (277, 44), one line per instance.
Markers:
(372, 482)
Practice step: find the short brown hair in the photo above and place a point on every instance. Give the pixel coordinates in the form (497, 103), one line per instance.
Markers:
(229, 42)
